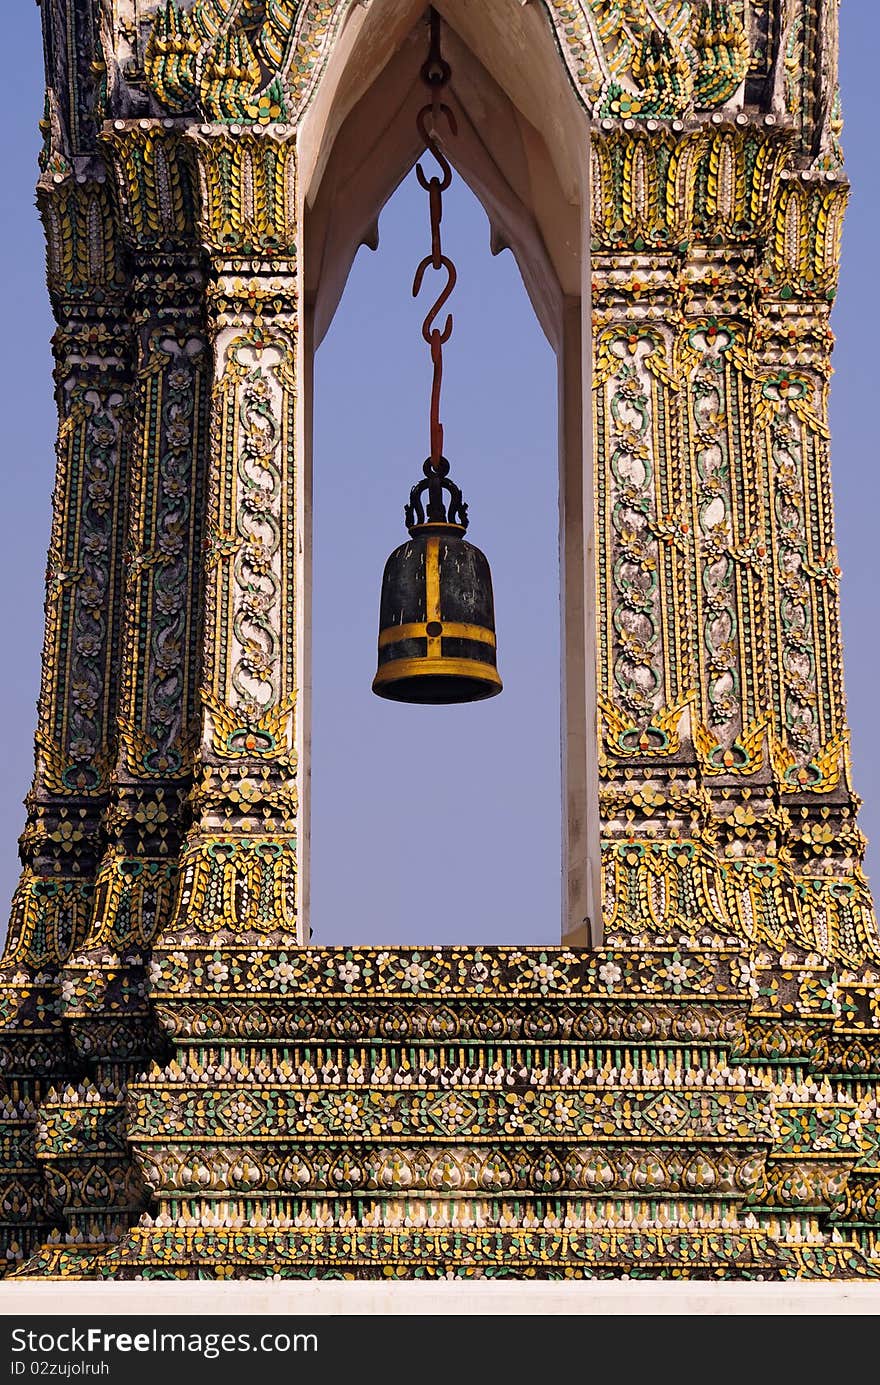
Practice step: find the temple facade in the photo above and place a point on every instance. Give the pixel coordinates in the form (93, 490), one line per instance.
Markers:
(688, 1085)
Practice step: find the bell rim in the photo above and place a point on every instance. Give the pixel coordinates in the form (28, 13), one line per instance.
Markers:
(400, 670)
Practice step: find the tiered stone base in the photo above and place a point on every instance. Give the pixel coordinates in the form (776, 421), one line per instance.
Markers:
(488, 1113)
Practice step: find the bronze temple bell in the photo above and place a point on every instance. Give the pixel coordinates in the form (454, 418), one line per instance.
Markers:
(437, 614)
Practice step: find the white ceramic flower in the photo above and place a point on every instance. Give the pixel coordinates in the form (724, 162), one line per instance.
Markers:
(610, 974)
(677, 972)
(283, 973)
(667, 1114)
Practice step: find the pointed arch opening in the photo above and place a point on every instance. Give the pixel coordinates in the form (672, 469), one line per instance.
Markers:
(522, 150)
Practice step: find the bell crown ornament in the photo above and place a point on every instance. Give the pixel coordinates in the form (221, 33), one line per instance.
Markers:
(452, 515)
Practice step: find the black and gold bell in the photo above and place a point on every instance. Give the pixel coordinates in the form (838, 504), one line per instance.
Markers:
(437, 614)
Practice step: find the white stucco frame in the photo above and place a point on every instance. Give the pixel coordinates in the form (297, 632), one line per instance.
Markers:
(523, 149)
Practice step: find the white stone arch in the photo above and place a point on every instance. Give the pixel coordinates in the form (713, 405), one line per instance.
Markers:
(523, 149)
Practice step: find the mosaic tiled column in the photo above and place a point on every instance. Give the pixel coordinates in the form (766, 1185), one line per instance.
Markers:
(717, 823)
(238, 869)
(810, 739)
(82, 1129)
(823, 847)
(713, 813)
(76, 733)
(226, 950)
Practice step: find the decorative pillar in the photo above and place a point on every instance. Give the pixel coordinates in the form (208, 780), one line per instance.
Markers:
(724, 765)
(238, 869)
(225, 956)
(76, 730)
(82, 1133)
(681, 581)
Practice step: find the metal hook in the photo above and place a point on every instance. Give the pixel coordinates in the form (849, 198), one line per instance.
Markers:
(432, 146)
(428, 328)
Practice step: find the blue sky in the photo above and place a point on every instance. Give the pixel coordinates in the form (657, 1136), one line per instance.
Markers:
(430, 825)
